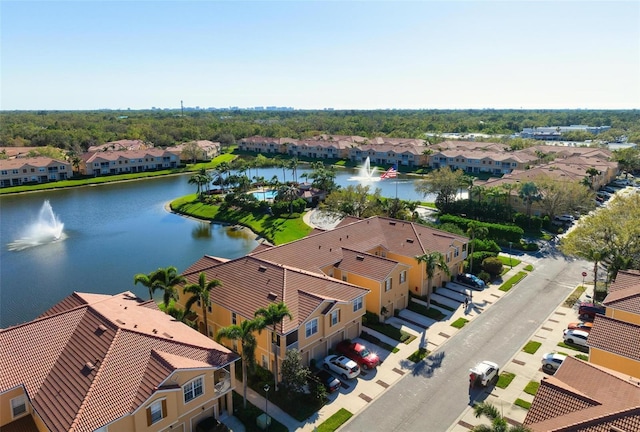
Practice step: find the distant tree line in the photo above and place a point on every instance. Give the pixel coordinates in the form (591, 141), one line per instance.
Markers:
(75, 131)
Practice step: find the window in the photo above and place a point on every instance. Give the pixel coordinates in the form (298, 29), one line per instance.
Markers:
(18, 406)
(156, 412)
(357, 304)
(344, 277)
(234, 318)
(265, 363)
(387, 284)
(456, 252)
(403, 276)
(192, 389)
(335, 317)
(311, 327)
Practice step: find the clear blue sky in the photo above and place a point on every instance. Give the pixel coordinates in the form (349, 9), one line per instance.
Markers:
(320, 54)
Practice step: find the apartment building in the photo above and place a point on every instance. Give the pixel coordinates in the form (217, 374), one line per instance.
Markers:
(127, 161)
(30, 170)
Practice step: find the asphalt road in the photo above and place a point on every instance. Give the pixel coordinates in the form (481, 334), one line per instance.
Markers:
(436, 393)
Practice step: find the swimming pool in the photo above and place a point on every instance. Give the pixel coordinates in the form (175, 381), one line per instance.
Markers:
(266, 195)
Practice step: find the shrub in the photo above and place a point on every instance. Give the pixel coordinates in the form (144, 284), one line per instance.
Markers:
(486, 277)
(507, 233)
(493, 266)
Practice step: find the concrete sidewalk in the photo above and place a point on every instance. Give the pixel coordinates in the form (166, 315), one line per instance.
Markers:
(372, 384)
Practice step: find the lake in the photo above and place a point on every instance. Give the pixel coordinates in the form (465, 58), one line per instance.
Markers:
(111, 232)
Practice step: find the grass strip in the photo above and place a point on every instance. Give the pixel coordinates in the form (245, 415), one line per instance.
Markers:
(505, 379)
(531, 347)
(419, 355)
(572, 347)
(582, 357)
(459, 323)
(426, 311)
(391, 331)
(574, 296)
(522, 403)
(374, 340)
(335, 421)
(532, 388)
(512, 281)
(248, 416)
(509, 261)
(528, 267)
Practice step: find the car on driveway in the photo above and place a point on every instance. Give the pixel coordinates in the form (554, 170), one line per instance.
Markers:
(576, 337)
(584, 326)
(589, 311)
(329, 382)
(471, 280)
(359, 354)
(552, 361)
(342, 366)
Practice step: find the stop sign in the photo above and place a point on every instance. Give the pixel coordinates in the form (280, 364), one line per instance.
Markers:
(584, 274)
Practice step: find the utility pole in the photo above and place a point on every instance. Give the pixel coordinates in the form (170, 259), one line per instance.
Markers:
(182, 108)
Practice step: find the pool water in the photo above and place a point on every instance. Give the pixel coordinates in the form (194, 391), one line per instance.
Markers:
(266, 195)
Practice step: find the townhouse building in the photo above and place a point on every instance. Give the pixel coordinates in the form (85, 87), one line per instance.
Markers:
(409, 153)
(205, 150)
(327, 280)
(111, 363)
(480, 161)
(127, 161)
(120, 145)
(30, 170)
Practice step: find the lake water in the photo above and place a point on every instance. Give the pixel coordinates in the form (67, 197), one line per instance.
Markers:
(111, 232)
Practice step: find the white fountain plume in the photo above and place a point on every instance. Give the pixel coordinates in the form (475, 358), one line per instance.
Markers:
(46, 229)
(366, 173)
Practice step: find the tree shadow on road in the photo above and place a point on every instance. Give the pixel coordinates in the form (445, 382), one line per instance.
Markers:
(426, 367)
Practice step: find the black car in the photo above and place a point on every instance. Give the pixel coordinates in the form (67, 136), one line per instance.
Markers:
(330, 382)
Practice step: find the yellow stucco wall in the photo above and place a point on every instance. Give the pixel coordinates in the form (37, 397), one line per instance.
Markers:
(5, 405)
(613, 361)
(623, 315)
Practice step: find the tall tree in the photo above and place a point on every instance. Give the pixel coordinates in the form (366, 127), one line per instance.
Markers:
(145, 280)
(354, 201)
(295, 376)
(288, 192)
(474, 230)
(529, 194)
(293, 166)
(243, 332)
(166, 279)
(273, 315)
(433, 261)
(556, 197)
(443, 182)
(498, 422)
(201, 293)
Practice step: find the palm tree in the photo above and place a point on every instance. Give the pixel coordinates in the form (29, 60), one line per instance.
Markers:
(145, 280)
(166, 279)
(244, 334)
(200, 179)
(508, 187)
(475, 230)
(288, 193)
(592, 173)
(498, 422)
(200, 293)
(293, 166)
(273, 315)
(529, 194)
(433, 261)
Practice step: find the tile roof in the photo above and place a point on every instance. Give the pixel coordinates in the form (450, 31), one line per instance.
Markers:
(625, 279)
(251, 282)
(569, 402)
(123, 144)
(71, 359)
(615, 336)
(90, 157)
(36, 162)
(367, 265)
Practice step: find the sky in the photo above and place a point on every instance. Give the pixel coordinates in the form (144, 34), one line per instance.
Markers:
(305, 54)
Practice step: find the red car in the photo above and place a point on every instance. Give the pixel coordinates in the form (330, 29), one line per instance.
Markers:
(584, 326)
(359, 354)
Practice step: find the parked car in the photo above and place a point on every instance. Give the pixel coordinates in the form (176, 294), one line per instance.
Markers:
(576, 337)
(584, 326)
(589, 310)
(564, 218)
(484, 373)
(552, 361)
(472, 280)
(358, 353)
(343, 366)
(329, 382)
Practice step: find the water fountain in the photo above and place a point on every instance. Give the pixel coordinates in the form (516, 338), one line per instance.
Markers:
(366, 173)
(47, 228)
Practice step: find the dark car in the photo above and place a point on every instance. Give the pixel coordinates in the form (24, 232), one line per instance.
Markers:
(589, 310)
(330, 382)
(471, 280)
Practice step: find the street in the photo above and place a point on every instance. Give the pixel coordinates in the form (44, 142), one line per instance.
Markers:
(436, 392)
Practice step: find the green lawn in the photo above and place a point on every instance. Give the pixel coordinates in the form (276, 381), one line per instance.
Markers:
(374, 340)
(582, 357)
(426, 311)
(512, 281)
(276, 230)
(335, 421)
(459, 323)
(575, 295)
(509, 261)
(528, 267)
(531, 347)
(532, 388)
(505, 379)
(522, 404)
(418, 355)
(575, 348)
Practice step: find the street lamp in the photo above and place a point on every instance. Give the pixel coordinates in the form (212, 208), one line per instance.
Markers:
(266, 389)
(510, 255)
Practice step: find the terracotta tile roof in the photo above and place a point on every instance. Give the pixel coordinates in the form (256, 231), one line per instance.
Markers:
(36, 162)
(250, 283)
(367, 265)
(615, 336)
(401, 237)
(71, 362)
(123, 144)
(569, 402)
(627, 299)
(204, 263)
(469, 145)
(115, 155)
(625, 279)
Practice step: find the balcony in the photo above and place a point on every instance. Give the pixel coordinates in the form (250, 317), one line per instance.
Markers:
(222, 381)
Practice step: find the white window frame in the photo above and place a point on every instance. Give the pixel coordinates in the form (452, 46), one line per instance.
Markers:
(19, 402)
(388, 284)
(335, 317)
(157, 408)
(403, 276)
(358, 304)
(311, 328)
(192, 388)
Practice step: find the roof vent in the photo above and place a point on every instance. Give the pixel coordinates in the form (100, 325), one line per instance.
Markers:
(272, 296)
(409, 240)
(392, 223)
(262, 269)
(360, 257)
(119, 321)
(100, 330)
(167, 335)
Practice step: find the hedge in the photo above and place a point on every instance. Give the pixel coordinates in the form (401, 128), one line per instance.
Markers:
(510, 233)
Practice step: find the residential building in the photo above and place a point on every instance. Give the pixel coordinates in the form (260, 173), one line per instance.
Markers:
(127, 161)
(111, 363)
(480, 161)
(120, 145)
(387, 152)
(260, 144)
(614, 341)
(206, 150)
(328, 280)
(582, 396)
(30, 170)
